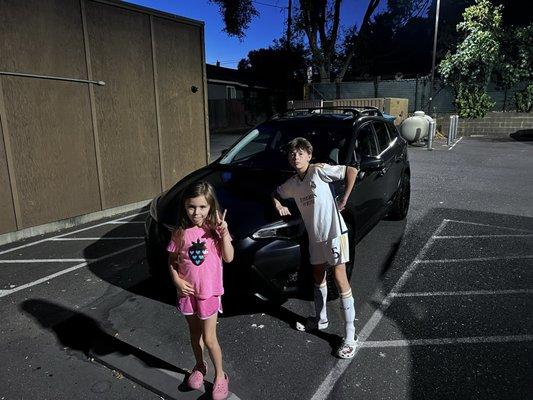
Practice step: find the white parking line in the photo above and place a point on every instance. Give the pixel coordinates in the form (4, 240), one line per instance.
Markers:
(4, 293)
(44, 260)
(465, 293)
(65, 234)
(64, 239)
(124, 222)
(340, 366)
(457, 260)
(491, 226)
(453, 145)
(448, 341)
(481, 236)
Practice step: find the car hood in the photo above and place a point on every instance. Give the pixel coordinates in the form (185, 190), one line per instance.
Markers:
(245, 193)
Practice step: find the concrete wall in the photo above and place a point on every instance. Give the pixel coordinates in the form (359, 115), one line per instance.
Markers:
(493, 124)
(70, 148)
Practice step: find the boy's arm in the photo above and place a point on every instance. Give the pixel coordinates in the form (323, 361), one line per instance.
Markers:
(349, 179)
(280, 208)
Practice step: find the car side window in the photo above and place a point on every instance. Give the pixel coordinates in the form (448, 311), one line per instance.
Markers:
(365, 144)
(382, 134)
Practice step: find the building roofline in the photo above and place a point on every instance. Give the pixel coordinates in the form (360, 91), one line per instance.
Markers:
(151, 11)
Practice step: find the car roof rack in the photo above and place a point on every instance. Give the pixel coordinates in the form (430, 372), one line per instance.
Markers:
(355, 111)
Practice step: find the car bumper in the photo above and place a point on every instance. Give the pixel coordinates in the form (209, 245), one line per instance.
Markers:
(268, 268)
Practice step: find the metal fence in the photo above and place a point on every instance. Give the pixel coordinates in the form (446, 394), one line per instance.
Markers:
(416, 90)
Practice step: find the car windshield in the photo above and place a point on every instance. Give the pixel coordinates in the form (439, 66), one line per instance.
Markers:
(266, 146)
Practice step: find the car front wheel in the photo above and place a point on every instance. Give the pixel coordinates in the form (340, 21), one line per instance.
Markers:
(400, 205)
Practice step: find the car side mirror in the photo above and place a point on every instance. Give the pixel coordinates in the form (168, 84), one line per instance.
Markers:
(371, 164)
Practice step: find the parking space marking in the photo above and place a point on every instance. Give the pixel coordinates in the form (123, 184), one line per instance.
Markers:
(324, 390)
(44, 260)
(61, 239)
(119, 222)
(456, 260)
(66, 234)
(4, 293)
(448, 341)
(488, 225)
(465, 293)
(482, 236)
(453, 145)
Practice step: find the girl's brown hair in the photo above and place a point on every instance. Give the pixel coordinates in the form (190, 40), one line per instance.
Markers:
(196, 189)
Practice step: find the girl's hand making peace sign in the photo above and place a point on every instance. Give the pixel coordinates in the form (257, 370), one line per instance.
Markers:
(222, 225)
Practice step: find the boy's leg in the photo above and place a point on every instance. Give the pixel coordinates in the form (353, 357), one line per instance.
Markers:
(347, 349)
(320, 295)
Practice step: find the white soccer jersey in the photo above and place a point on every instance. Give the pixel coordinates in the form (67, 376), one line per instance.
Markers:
(315, 201)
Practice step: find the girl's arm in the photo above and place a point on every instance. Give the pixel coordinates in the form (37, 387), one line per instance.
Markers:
(184, 288)
(226, 246)
(349, 179)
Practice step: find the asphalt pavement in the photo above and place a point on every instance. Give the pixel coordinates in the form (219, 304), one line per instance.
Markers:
(443, 303)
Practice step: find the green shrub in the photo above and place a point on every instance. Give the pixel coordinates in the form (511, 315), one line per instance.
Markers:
(473, 102)
(524, 99)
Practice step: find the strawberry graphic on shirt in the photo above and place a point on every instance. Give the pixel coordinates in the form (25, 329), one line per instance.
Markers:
(197, 252)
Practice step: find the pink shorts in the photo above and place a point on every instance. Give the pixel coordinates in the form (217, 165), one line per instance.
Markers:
(204, 308)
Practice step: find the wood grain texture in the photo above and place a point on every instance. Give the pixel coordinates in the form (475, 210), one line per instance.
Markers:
(182, 113)
(125, 107)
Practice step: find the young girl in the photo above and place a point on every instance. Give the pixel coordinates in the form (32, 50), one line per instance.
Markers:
(198, 245)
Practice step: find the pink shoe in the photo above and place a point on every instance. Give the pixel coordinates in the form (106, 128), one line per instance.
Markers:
(196, 378)
(220, 388)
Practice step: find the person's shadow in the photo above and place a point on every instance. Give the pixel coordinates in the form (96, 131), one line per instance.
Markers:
(82, 333)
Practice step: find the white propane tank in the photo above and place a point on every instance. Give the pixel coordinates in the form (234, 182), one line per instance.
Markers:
(415, 128)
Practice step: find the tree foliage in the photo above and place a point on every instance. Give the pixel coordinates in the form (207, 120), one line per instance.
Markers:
(469, 69)
(279, 66)
(237, 15)
(318, 20)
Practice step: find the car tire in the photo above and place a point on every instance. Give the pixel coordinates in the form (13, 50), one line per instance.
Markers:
(400, 205)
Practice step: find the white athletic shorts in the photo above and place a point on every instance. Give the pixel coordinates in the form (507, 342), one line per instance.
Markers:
(332, 252)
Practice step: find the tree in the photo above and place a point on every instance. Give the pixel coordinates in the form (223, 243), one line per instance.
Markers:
(515, 64)
(277, 64)
(319, 20)
(468, 70)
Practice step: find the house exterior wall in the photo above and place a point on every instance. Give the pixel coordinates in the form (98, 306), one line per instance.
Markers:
(72, 148)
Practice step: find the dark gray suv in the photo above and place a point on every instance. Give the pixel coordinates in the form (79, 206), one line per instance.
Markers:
(269, 251)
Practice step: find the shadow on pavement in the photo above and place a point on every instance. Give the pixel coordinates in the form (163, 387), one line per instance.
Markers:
(495, 369)
(523, 135)
(84, 334)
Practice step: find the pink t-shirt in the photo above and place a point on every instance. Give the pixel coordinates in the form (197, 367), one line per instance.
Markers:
(201, 262)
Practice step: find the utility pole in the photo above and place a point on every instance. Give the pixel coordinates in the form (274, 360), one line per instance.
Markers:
(289, 23)
(432, 85)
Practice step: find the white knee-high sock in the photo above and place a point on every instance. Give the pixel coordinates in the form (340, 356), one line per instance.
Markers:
(348, 313)
(321, 294)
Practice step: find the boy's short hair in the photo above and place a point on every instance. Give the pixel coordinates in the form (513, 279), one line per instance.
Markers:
(300, 143)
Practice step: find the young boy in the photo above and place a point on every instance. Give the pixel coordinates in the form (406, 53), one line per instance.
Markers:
(328, 237)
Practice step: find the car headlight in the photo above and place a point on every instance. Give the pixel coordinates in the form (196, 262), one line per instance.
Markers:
(153, 207)
(280, 230)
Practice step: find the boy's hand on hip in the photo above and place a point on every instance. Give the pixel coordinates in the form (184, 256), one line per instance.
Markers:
(283, 211)
(342, 204)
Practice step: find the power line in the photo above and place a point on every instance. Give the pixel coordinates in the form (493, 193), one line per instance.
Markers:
(270, 5)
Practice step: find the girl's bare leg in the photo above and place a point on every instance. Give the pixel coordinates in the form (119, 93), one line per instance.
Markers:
(209, 328)
(197, 343)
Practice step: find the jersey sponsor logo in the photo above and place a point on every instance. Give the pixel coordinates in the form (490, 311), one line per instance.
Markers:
(308, 200)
